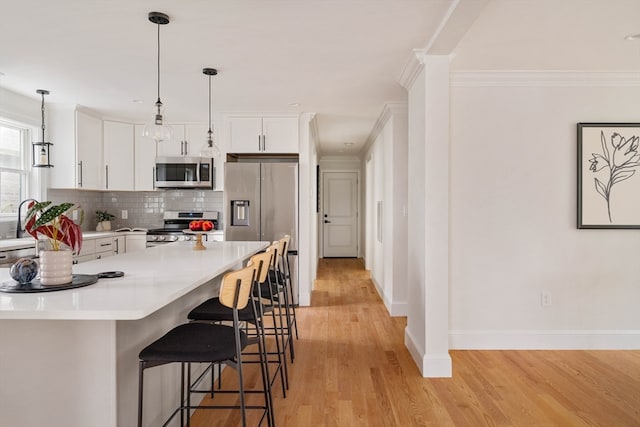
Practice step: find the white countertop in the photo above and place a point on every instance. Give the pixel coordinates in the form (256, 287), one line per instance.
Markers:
(153, 278)
(24, 242)
(29, 242)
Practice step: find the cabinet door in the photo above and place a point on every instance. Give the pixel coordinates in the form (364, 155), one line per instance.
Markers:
(118, 156)
(89, 151)
(244, 134)
(120, 245)
(195, 138)
(144, 161)
(280, 135)
(175, 147)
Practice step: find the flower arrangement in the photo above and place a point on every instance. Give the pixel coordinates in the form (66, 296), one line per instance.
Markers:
(104, 216)
(52, 222)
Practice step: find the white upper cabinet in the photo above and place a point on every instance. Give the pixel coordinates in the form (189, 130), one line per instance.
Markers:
(275, 135)
(145, 160)
(118, 156)
(88, 151)
(77, 151)
(175, 147)
(187, 140)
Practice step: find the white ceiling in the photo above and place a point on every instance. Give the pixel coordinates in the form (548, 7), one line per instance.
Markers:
(338, 58)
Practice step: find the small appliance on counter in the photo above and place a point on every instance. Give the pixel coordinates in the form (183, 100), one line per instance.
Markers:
(174, 224)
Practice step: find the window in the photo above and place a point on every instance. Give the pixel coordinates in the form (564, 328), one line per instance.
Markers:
(14, 166)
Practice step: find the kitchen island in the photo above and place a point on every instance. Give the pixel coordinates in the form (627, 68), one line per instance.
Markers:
(70, 358)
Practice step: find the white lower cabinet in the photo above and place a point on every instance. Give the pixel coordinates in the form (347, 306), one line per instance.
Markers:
(105, 247)
(136, 242)
(120, 245)
(96, 248)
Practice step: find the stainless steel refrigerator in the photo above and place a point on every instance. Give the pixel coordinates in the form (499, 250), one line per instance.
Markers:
(261, 203)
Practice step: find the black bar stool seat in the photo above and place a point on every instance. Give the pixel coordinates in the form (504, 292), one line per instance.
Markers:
(206, 343)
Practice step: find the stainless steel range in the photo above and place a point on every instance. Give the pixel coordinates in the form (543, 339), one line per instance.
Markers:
(174, 223)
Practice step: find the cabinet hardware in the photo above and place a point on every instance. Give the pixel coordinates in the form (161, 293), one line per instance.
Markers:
(106, 176)
(186, 148)
(259, 140)
(80, 174)
(153, 178)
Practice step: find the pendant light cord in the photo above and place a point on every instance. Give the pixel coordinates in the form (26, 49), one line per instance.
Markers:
(42, 110)
(210, 139)
(158, 63)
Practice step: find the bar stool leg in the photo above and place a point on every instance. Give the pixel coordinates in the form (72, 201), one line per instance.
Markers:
(141, 366)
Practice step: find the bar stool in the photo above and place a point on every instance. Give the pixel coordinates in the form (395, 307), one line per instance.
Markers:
(280, 290)
(287, 270)
(213, 310)
(208, 343)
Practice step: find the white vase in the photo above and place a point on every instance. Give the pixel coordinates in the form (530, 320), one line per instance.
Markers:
(104, 226)
(56, 267)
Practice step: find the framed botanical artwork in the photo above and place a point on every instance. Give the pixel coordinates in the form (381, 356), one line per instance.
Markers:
(608, 175)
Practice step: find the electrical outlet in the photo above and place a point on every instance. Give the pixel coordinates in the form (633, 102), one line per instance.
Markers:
(545, 299)
(124, 214)
(74, 215)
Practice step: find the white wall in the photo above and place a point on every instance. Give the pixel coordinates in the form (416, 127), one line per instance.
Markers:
(307, 227)
(513, 219)
(385, 164)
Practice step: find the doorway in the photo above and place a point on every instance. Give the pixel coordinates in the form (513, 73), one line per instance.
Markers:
(340, 214)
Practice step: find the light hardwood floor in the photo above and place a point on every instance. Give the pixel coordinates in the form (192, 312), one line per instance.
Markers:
(352, 369)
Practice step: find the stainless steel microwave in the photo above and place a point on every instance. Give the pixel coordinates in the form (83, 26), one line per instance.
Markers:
(184, 172)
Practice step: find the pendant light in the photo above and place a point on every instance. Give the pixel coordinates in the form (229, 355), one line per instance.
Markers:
(210, 149)
(158, 130)
(40, 150)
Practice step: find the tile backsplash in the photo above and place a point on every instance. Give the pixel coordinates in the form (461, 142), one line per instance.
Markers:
(144, 208)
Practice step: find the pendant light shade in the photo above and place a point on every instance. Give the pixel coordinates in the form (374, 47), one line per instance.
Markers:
(40, 151)
(158, 130)
(210, 149)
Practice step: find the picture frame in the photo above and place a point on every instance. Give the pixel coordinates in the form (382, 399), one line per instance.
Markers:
(608, 175)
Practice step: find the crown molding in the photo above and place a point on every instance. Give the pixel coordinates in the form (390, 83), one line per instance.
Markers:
(412, 68)
(550, 78)
(388, 110)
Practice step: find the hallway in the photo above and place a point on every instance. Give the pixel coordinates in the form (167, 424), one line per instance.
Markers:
(352, 369)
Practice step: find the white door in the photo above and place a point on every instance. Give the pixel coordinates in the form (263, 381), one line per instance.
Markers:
(340, 214)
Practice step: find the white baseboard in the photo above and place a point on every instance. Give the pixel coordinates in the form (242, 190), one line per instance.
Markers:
(430, 365)
(304, 299)
(545, 340)
(396, 309)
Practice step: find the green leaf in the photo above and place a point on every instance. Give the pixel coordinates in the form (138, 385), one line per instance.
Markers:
(52, 213)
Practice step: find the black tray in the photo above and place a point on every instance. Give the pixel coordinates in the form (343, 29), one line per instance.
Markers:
(78, 281)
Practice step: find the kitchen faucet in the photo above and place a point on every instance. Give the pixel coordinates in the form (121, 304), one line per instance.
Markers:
(19, 230)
